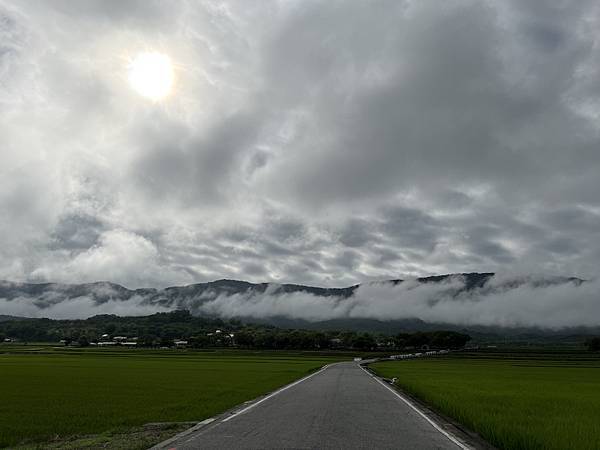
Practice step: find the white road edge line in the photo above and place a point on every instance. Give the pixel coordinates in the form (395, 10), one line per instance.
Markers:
(181, 435)
(419, 412)
(279, 391)
(204, 422)
(207, 421)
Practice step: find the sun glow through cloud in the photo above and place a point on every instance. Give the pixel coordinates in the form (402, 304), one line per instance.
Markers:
(156, 143)
(151, 75)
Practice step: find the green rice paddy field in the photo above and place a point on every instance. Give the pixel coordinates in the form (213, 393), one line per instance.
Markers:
(522, 400)
(48, 394)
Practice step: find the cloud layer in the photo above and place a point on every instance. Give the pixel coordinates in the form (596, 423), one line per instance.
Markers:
(312, 142)
(501, 302)
(498, 304)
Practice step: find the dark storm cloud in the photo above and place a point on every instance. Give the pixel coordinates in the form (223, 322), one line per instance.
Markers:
(189, 168)
(410, 227)
(309, 142)
(426, 108)
(75, 232)
(357, 233)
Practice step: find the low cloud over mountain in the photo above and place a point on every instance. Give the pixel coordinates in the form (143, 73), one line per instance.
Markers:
(461, 300)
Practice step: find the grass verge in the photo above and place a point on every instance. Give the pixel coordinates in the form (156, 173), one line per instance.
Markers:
(52, 396)
(547, 402)
(136, 438)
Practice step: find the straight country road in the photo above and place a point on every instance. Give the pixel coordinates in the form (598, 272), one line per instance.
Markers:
(339, 407)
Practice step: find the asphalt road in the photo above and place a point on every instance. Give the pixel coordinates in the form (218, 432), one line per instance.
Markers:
(341, 407)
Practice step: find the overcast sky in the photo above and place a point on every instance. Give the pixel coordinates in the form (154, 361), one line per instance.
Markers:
(327, 142)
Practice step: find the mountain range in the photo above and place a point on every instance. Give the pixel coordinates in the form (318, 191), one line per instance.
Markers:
(103, 291)
(195, 296)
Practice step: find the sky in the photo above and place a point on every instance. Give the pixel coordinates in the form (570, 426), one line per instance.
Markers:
(324, 143)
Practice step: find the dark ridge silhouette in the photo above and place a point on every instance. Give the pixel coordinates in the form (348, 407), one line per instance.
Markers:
(103, 291)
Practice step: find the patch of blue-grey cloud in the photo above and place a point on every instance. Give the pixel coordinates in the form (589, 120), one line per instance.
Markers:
(309, 142)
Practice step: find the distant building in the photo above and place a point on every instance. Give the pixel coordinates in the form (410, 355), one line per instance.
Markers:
(181, 343)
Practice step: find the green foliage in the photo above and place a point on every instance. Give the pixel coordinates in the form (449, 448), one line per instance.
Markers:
(593, 344)
(71, 391)
(83, 341)
(201, 332)
(433, 339)
(520, 401)
(363, 341)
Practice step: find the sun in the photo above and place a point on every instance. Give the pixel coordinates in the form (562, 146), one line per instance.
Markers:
(151, 75)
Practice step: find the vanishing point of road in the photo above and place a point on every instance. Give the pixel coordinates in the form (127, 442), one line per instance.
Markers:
(339, 407)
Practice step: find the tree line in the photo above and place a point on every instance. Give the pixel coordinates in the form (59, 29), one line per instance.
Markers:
(593, 344)
(162, 329)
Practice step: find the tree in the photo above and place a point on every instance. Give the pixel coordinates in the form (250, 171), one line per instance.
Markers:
(417, 340)
(166, 342)
(448, 339)
(146, 340)
(593, 344)
(199, 341)
(321, 340)
(364, 341)
(244, 339)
